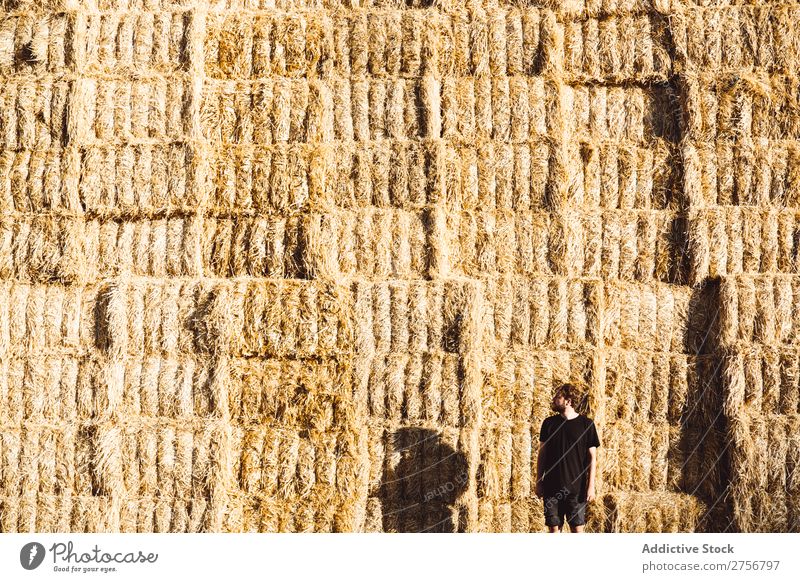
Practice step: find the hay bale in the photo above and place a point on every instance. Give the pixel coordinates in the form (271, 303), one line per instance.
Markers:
(651, 512)
(349, 223)
(792, 458)
(761, 451)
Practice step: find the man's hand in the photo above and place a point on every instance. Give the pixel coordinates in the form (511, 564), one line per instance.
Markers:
(590, 484)
(539, 489)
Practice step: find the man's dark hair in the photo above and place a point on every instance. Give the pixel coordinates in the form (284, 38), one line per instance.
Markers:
(569, 391)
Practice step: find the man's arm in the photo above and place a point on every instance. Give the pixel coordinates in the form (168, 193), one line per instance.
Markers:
(539, 469)
(590, 488)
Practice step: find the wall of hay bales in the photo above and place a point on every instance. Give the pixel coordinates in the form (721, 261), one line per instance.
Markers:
(316, 265)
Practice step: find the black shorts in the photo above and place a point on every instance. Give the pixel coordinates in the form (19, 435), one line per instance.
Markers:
(557, 506)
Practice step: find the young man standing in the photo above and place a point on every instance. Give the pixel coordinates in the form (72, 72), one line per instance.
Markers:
(565, 465)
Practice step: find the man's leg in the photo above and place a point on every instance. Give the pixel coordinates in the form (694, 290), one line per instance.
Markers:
(576, 514)
(553, 519)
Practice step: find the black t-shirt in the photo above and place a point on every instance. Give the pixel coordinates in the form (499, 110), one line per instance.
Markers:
(566, 454)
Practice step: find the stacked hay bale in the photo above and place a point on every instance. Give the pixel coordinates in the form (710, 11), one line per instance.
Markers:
(759, 339)
(655, 419)
(166, 363)
(572, 229)
(275, 180)
(737, 66)
(646, 377)
(98, 184)
(351, 98)
(317, 265)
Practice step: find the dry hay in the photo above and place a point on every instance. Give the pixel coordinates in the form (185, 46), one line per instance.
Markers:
(652, 512)
(283, 265)
(761, 398)
(764, 465)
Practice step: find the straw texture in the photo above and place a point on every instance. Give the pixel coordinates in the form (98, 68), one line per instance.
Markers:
(317, 265)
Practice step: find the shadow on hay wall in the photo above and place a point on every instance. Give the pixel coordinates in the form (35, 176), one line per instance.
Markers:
(418, 494)
(703, 446)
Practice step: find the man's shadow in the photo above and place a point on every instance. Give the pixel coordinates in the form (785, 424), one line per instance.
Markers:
(418, 494)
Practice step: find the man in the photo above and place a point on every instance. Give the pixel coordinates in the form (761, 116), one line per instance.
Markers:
(565, 466)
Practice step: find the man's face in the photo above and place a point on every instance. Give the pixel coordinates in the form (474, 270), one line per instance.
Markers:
(559, 404)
